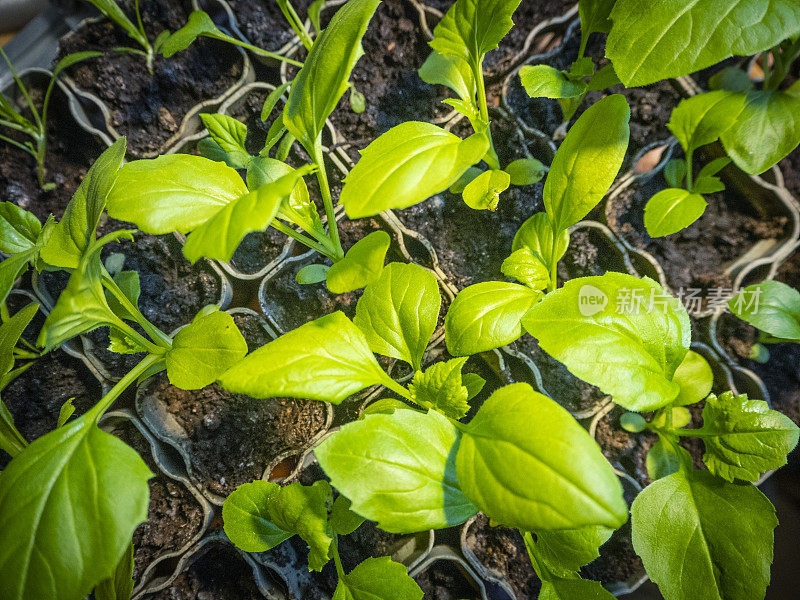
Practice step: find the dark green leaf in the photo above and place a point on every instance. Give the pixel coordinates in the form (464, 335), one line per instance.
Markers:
(120, 586)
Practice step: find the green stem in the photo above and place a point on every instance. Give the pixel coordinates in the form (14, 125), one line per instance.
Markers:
(783, 54)
(303, 239)
(162, 339)
(322, 179)
(257, 50)
(689, 181)
(11, 439)
(337, 560)
(296, 23)
(106, 401)
(491, 157)
(553, 266)
(396, 387)
(142, 341)
(23, 147)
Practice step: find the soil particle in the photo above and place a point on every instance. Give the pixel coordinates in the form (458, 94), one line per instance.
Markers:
(148, 108)
(790, 167)
(444, 580)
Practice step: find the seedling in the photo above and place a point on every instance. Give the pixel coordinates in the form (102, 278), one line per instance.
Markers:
(208, 200)
(12, 118)
(415, 160)
(260, 515)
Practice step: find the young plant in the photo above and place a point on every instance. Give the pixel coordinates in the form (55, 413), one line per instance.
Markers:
(415, 160)
(260, 515)
(136, 32)
(53, 557)
(487, 315)
(773, 308)
(208, 199)
(695, 122)
(13, 118)
(632, 341)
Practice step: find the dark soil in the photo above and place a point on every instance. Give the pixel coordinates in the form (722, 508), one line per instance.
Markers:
(36, 396)
(220, 574)
(146, 108)
(790, 167)
(444, 580)
(174, 515)
(502, 551)
(232, 438)
(70, 152)
(696, 257)
(263, 23)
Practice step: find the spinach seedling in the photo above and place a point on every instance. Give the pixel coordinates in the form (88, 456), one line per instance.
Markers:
(410, 464)
(695, 122)
(13, 118)
(208, 199)
(54, 558)
(415, 160)
(259, 515)
(488, 315)
(632, 341)
(771, 307)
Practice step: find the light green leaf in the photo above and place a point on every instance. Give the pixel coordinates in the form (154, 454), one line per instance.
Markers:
(604, 78)
(440, 387)
(327, 359)
(174, 192)
(671, 210)
(272, 99)
(12, 267)
(536, 234)
(566, 550)
(606, 332)
(128, 283)
(398, 469)
(398, 312)
(198, 24)
(695, 377)
(767, 130)
(19, 229)
(10, 332)
(701, 119)
(378, 579)
(76, 230)
(587, 161)
(221, 234)
(120, 585)
(572, 589)
(471, 28)
(744, 438)
(261, 514)
(455, 73)
(204, 350)
(526, 268)
(312, 274)
(464, 180)
(661, 462)
(68, 506)
(324, 77)
(407, 164)
(66, 411)
(298, 209)
(525, 171)
(361, 265)
(689, 528)
(544, 81)
(483, 192)
(665, 39)
(522, 451)
(771, 306)
(113, 11)
(594, 15)
(707, 185)
(229, 134)
(487, 315)
(713, 167)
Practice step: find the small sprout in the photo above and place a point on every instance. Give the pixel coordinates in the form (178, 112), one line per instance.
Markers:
(633, 422)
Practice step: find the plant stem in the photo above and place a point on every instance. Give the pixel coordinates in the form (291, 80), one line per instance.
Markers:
(296, 23)
(396, 388)
(106, 401)
(162, 339)
(303, 239)
(491, 155)
(322, 179)
(143, 342)
(257, 50)
(689, 181)
(336, 558)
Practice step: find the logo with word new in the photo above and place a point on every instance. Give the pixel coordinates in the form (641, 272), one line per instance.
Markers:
(591, 300)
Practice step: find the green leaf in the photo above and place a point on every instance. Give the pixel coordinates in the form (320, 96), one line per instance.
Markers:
(120, 586)
(707, 185)
(567, 550)
(12, 267)
(744, 438)
(378, 579)
(483, 192)
(361, 265)
(731, 79)
(19, 229)
(471, 28)
(314, 10)
(324, 77)
(695, 377)
(667, 40)
(11, 440)
(536, 234)
(113, 11)
(525, 171)
(544, 81)
(452, 72)
(606, 332)
(343, 520)
(594, 15)
(128, 283)
(261, 514)
(526, 268)
(358, 103)
(68, 506)
(298, 209)
(587, 161)
(572, 589)
(198, 24)
(398, 469)
(66, 411)
(174, 192)
(772, 307)
(10, 332)
(407, 164)
(272, 100)
(229, 135)
(604, 78)
(522, 451)
(767, 130)
(327, 359)
(220, 235)
(398, 312)
(701, 119)
(204, 350)
(675, 172)
(689, 530)
(661, 462)
(487, 315)
(76, 230)
(312, 274)
(714, 167)
(671, 210)
(440, 387)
